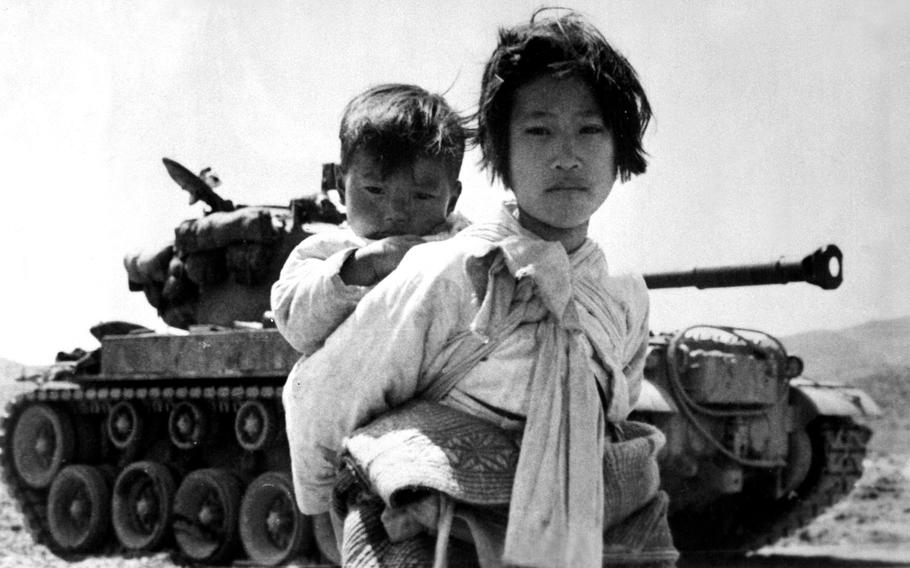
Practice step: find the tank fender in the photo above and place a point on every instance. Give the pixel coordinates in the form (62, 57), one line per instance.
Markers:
(654, 399)
(825, 399)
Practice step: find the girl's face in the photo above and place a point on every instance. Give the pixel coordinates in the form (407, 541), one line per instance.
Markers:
(561, 154)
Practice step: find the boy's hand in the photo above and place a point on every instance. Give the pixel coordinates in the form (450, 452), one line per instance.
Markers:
(370, 264)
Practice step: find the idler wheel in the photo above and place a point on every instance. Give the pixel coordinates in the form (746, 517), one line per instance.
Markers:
(255, 425)
(42, 442)
(78, 509)
(125, 425)
(206, 509)
(187, 425)
(142, 504)
(271, 529)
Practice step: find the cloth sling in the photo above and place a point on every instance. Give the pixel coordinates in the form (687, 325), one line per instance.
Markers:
(556, 515)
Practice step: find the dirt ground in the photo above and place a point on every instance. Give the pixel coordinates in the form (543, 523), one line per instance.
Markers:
(871, 527)
(872, 524)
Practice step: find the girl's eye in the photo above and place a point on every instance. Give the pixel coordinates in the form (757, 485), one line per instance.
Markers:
(592, 129)
(373, 189)
(537, 130)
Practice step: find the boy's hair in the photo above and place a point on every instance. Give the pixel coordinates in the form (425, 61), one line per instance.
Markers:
(397, 123)
(561, 47)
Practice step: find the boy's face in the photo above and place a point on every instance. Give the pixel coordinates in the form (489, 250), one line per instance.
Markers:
(409, 201)
(561, 154)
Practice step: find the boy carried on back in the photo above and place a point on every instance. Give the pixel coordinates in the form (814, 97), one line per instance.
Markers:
(401, 152)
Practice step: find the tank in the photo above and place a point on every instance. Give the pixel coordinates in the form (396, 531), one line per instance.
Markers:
(175, 441)
(754, 451)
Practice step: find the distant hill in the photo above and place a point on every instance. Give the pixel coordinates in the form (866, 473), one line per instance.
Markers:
(871, 348)
(10, 370)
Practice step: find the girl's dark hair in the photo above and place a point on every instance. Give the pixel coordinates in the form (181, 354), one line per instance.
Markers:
(397, 123)
(564, 46)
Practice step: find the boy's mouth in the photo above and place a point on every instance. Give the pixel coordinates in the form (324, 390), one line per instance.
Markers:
(384, 234)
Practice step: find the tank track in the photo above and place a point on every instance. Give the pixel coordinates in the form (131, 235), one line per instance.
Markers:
(93, 400)
(746, 524)
(30, 502)
(749, 524)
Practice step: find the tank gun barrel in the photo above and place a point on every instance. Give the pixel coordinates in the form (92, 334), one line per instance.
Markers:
(823, 268)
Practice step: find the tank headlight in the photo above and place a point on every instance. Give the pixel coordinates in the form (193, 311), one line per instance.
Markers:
(794, 367)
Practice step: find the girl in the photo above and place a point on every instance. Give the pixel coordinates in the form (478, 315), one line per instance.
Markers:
(515, 324)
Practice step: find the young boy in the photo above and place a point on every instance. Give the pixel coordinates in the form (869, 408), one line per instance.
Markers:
(541, 340)
(401, 152)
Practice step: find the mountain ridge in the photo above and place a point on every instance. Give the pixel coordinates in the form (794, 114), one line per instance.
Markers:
(861, 350)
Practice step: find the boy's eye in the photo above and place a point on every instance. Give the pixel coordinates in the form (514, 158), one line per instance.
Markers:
(372, 189)
(425, 196)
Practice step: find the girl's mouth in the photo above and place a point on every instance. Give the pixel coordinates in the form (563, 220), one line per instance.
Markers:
(560, 188)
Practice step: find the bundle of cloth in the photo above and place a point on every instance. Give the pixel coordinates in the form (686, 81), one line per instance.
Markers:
(219, 268)
(428, 484)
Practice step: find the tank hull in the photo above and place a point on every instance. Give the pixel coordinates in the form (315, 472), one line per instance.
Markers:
(794, 449)
(187, 405)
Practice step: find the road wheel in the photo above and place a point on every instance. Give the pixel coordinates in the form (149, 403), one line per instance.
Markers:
(78, 509)
(255, 426)
(271, 529)
(206, 510)
(125, 425)
(799, 462)
(187, 425)
(142, 504)
(42, 442)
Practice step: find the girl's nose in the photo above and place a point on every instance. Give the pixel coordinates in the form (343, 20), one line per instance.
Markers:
(566, 157)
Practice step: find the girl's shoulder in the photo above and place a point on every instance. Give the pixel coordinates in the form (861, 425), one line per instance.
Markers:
(628, 284)
(622, 284)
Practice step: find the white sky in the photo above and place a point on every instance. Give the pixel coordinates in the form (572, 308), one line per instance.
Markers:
(780, 127)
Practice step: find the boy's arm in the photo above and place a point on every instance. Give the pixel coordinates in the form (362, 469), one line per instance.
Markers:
(373, 362)
(309, 299)
(320, 286)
